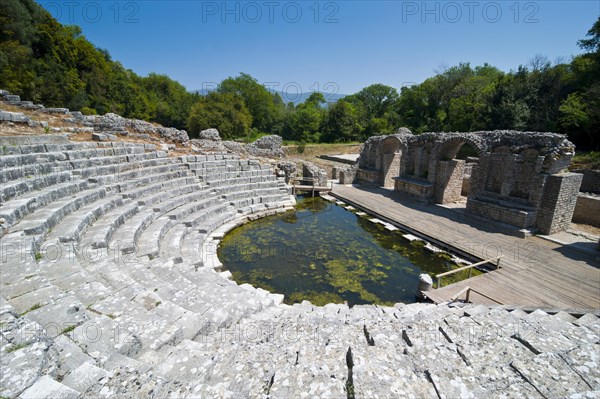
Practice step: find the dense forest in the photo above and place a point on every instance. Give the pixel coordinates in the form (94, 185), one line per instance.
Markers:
(49, 63)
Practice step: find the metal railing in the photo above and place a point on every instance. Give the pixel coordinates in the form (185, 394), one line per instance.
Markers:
(469, 267)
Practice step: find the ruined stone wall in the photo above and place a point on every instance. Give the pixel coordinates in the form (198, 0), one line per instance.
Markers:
(368, 177)
(502, 212)
(466, 180)
(511, 177)
(505, 183)
(391, 164)
(347, 175)
(449, 181)
(587, 210)
(591, 181)
(558, 202)
(418, 189)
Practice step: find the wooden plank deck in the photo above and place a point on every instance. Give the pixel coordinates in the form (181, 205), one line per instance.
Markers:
(309, 187)
(534, 271)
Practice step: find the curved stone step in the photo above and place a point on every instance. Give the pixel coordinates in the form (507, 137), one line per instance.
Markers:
(193, 204)
(12, 149)
(171, 243)
(168, 192)
(155, 183)
(152, 236)
(47, 387)
(74, 225)
(33, 139)
(122, 176)
(16, 188)
(126, 236)
(258, 192)
(101, 232)
(40, 221)
(89, 163)
(237, 178)
(201, 219)
(102, 152)
(35, 170)
(191, 246)
(240, 185)
(17, 208)
(111, 173)
(15, 161)
(149, 240)
(179, 201)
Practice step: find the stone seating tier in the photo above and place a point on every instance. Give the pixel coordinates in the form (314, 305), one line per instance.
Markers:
(110, 287)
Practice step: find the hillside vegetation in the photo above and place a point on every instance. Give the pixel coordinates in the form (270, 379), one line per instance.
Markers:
(46, 62)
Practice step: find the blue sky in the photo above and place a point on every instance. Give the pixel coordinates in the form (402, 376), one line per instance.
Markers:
(329, 46)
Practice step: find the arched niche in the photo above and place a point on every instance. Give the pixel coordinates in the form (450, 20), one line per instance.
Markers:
(453, 160)
(391, 160)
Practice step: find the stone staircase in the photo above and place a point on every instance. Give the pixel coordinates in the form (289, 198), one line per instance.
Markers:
(110, 287)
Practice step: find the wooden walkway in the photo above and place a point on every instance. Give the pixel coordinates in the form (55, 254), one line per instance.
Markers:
(306, 187)
(534, 271)
(299, 184)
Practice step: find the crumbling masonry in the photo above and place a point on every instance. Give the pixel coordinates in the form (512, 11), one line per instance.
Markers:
(518, 178)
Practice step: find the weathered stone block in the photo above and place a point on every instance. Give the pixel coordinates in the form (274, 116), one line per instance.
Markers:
(449, 181)
(419, 189)
(558, 202)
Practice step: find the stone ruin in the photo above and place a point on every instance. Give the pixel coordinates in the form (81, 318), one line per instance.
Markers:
(110, 286)
(112, 127)
(517, 178)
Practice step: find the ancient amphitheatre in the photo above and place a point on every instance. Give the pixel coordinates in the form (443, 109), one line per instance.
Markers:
(110, 284)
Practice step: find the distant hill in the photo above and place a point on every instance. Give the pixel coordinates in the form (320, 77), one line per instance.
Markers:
(293, 97)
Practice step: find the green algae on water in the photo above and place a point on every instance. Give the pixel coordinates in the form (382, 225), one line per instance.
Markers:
(322, 253)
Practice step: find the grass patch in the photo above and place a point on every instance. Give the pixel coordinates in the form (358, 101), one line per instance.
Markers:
(253, 136)
(110, 315)
(68, 329)
(38, 256)
(31, 309)
(586, 160)
(319, 149)
(15, 348)
(89, 308)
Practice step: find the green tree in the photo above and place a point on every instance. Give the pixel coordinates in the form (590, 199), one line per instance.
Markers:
(375, 105)
(257, 98)
(469, 98)
(172, 101)
(223, 111)
(587, 77)
(592, 45)
(574, 115)
(303, 123)
(314, 100)
(341, 124)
